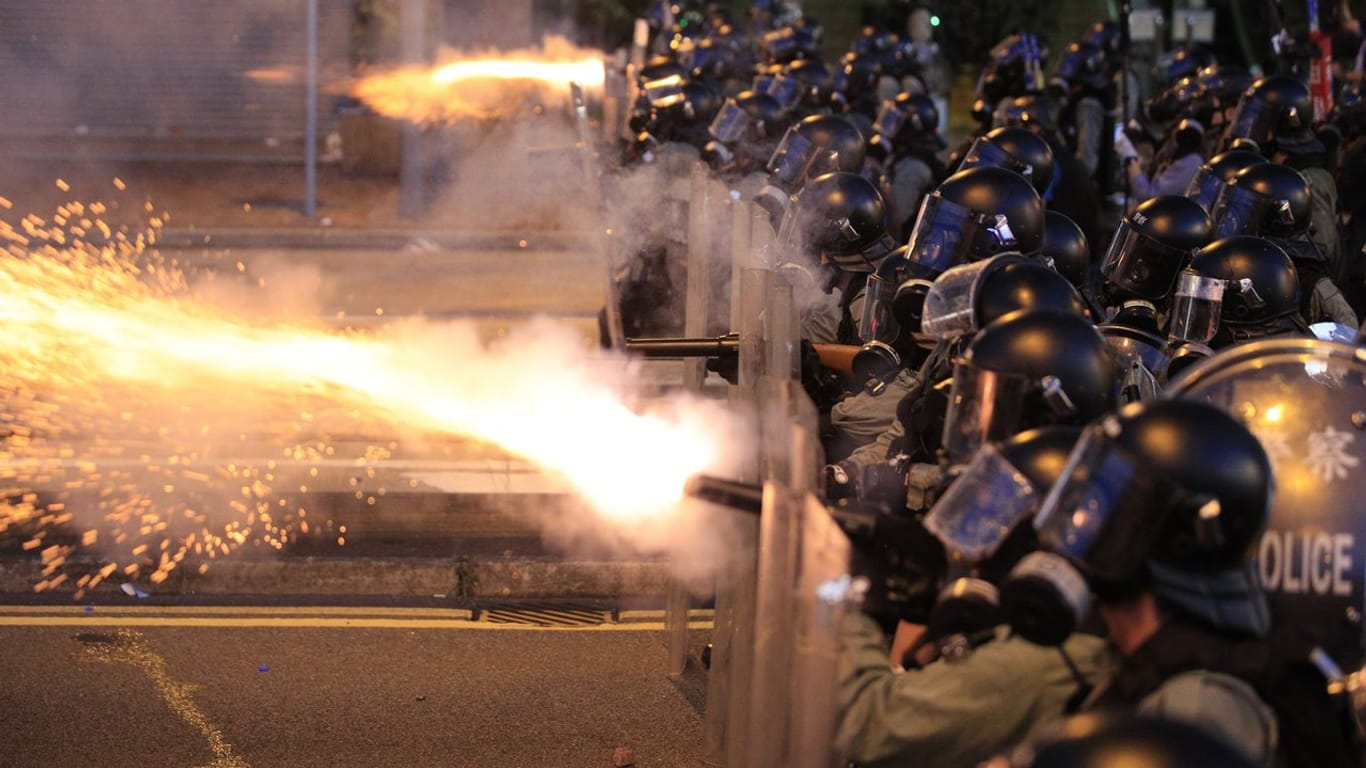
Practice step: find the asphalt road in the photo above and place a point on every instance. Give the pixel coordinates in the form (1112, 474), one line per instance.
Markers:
(253, 687)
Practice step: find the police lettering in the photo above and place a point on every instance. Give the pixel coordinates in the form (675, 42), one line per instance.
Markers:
(1317, 563)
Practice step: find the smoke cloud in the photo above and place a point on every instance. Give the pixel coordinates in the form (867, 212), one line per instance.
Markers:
(169, 408)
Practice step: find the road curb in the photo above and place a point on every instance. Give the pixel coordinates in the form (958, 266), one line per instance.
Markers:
(426, 577)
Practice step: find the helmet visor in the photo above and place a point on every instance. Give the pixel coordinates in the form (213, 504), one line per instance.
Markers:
(947, 233)
(1253, 119)
(1099, 514)
(730, 123)
(951, 305)
(1195, 308)
(1140, 264)
(841, 82)
(984, 406)
(982, 506)
(791, 160)
(984, 152)
(1205, 188)
(786, 90)
(1244, 212)
(889, 121)
(878, 322)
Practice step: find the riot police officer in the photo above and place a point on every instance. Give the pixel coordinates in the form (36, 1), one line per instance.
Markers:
(907, 134)
(1158, 515)
(1275, 202)
(744, 134)
(1151, 245)
(1017, 149)
(1262, 293)
(987, 690)
(811, 147)
(1277, 113)
(1216, 173)
(833, 237)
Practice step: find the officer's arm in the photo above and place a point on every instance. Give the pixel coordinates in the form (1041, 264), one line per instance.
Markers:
(949, 713)
(1090, 127)
(876, 452)
(1221, 704)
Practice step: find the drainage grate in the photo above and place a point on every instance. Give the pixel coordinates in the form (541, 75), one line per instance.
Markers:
(545, 614)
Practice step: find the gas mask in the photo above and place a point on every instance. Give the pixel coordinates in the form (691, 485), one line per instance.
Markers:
(1096, 529)
(974, 518)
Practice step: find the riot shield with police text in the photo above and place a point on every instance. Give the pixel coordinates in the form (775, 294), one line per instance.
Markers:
(1305, 400)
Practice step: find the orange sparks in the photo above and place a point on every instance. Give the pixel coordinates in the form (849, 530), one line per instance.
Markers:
(120, 383)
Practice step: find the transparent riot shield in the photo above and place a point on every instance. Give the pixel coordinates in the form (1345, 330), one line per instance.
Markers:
(794, 458)
(1305, 400)
(823, 593)
(593, 190)
(804, 591)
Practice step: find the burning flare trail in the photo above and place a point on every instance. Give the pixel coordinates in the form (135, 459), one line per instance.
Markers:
(483, 85)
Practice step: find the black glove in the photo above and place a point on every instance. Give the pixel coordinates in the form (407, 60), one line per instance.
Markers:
(901, 560)
(727, 367)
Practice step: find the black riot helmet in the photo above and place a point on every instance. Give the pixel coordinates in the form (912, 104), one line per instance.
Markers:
(815, 78)
(1218, 171)
(742, 129)
(840, 217)
(1084, 64)
(1028, 369)
(1262, 291)
(909, 120)
(1105, 35)
(814, 146)
(748, 117)
(1266, 199)
(975, 214)
(1107, 741)
(1183, 61)
(971, 296)
(1274, 107)
(1065, 247)
(982, 113)
(1014, 148)
(1025, 111)
(1153, 243)
(984, 520)
(1224, 83)
(855, 81)
(1185, 98)
(1349, 112)
(1010, 67)
(1170, 496)
(660, 67)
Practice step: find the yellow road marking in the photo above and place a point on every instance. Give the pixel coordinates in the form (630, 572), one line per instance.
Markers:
(235, 610)
(303, 622)
(132, 648)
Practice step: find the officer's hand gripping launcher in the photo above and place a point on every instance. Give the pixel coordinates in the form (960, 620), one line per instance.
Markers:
(899, 557)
